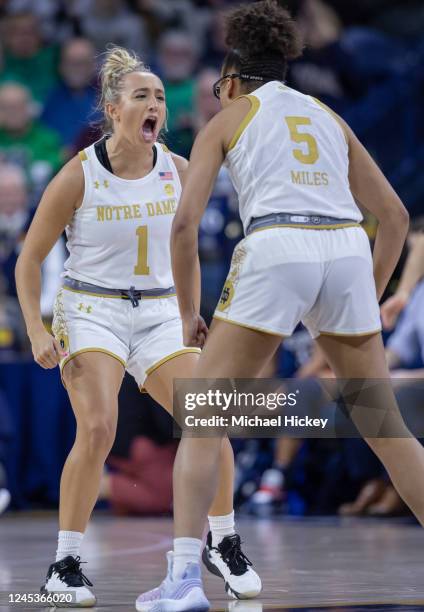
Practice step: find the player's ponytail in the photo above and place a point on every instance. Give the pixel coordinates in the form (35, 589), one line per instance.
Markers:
(262, 38)
(116, 64)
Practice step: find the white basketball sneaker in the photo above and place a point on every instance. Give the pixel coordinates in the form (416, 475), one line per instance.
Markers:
(182, 595)
(65, 577)
(228, 561)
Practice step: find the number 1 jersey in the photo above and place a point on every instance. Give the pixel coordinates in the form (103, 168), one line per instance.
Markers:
(120, 236)
(290, 155)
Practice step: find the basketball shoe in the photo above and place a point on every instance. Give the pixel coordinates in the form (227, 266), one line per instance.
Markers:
(229, 562)
(65, 576)
(183, 595)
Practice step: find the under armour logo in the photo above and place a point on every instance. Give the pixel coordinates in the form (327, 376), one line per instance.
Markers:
(87, 309)
(97, 184)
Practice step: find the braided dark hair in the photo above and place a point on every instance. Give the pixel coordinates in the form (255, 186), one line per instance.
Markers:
(262, 38)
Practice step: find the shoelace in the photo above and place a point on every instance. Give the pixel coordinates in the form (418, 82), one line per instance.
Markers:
(230, 549)
(72, 574)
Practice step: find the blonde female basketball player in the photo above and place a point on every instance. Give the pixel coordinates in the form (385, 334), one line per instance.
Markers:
(117, 309)
(297, 169)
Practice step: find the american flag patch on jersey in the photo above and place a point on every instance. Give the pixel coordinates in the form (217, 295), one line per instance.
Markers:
(166, 176)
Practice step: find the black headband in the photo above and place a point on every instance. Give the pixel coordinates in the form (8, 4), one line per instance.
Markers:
(272, 67)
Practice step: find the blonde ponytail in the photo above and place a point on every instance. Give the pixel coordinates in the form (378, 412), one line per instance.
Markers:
(117, 63)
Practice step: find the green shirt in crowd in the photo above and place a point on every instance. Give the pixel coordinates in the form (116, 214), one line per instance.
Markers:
(39, 73)
(38, 151)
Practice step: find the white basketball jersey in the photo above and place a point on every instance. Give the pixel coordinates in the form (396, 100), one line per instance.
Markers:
(120, 236)
(290, 155)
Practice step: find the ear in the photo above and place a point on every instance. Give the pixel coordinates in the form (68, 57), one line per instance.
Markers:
(112, 111)
(233, 89)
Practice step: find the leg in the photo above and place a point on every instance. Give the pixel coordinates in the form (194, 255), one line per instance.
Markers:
(93, 381)
(364, 358)
(196, 480)
(159, 384)
(195, 474)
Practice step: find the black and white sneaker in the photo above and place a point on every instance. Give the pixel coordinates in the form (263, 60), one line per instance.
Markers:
(228, 561)
(66, 577)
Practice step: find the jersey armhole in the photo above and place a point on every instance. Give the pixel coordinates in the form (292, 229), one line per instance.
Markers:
(85, 163)
(255, 105)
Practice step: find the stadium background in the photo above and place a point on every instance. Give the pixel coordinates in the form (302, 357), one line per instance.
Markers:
(364, 59)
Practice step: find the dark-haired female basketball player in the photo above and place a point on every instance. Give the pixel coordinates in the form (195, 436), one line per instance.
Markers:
(117, 309)
(298, 170)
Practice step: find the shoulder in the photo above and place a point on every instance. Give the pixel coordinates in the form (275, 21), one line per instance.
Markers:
(226, 127)
(70, 179)
(180, 162)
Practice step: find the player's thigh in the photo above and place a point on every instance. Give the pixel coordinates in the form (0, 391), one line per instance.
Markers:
(369, 397)
(233, 351)
(355, 356)
(93, 380)
(160, 383)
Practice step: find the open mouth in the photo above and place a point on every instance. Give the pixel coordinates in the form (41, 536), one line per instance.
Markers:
(148, 129)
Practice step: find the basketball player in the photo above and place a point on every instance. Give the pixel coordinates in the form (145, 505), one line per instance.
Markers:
(298, 170)
(117, 309)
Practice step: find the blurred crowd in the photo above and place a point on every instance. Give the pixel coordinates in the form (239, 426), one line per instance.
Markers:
(363, 59)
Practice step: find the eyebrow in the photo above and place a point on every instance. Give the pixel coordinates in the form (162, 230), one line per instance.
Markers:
(143, 89)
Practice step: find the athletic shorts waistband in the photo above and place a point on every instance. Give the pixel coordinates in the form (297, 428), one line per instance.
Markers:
(132, 294)
(300, 221)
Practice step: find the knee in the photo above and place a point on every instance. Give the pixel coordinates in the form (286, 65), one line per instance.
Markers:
(97, 437)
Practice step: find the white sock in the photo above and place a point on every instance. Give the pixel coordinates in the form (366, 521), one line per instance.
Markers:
(68, 543)
(220, 527)
(186, 550)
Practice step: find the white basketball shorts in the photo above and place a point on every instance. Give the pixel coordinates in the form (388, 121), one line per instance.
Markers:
(322, 278)
(140, 338)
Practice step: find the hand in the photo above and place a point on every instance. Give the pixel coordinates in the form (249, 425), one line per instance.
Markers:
(46, 349)
(392, 308)
(195, 330)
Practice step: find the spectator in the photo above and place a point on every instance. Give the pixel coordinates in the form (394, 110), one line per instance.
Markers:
(177, 63)
(24, 140)
(325, 70)
(15, 217)
(71, 105)
(412, 273)
(216, 49)
(109, 21)
(55, 18)
(26, 59)
(162, 15)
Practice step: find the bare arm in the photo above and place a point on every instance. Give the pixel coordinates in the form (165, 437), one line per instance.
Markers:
(372, 190)
(206, 158)
(182, 166)
(62, 196)
(412, 273)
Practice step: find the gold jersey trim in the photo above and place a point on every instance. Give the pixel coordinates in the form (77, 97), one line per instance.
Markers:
(168, 358)
(91, 350)
(333, 114)
(248, 326)
(118, 297)
(255, 105)
(82, 155)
